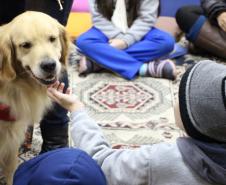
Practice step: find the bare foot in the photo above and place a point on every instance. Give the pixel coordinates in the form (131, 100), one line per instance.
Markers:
(82, 65)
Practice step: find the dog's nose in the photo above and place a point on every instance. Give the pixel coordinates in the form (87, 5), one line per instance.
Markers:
(48, 65)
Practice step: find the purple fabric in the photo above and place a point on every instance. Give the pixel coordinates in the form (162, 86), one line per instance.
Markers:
(80, 6)
(169, 7)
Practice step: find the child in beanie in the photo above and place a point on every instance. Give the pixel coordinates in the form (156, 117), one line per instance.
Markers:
(199, 159)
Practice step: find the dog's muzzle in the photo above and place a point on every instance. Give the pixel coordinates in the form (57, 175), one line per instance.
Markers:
(48, 66)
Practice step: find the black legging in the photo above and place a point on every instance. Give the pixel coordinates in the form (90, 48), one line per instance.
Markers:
(52, 8)
(187, 16)
(10, 9)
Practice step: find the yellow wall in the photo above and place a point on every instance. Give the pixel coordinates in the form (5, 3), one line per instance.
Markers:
(78, 23)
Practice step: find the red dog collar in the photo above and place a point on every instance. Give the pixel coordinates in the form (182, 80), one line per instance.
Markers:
(5, 113)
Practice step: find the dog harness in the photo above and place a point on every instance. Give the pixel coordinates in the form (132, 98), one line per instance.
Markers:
(5, 113)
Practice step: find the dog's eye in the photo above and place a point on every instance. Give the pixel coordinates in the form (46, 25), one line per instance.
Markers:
(52, 38)
(26, 45)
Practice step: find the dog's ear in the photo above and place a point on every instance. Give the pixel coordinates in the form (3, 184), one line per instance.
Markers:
(7, 72)
(65, 44)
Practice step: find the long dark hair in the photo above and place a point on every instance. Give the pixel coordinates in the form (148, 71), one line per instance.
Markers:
(106, 8)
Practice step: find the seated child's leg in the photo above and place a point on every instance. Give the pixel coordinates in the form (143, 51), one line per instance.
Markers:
(159, 69)
(87, 66)
(155, 45)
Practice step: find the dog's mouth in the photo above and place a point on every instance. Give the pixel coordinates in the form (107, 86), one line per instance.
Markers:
(48, 80)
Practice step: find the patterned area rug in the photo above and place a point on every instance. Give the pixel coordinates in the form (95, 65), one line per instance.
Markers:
(131, 113)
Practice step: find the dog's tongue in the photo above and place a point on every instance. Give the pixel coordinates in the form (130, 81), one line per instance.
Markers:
(5, 113)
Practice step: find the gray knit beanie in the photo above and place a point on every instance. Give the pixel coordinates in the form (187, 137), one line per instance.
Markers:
(202, 98)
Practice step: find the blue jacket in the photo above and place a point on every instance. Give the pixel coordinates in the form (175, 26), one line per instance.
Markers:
(58, 167)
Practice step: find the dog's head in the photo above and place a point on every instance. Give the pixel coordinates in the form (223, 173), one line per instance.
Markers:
(34, 43)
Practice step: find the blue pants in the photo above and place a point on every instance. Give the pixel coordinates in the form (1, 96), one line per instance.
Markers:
(126, 63)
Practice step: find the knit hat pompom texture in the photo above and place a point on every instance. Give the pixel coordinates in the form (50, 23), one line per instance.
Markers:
(58, 167)
(204, 90)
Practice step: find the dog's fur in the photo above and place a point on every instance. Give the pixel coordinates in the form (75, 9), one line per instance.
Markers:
(29, 40)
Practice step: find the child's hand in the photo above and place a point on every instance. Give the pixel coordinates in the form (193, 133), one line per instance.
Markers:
(66, 100)
(222, 21)
(118, 43)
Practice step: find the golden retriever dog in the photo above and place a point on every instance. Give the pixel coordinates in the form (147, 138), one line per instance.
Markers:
(33, 52)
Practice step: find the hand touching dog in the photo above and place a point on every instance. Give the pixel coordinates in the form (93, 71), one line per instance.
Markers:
(66, 99)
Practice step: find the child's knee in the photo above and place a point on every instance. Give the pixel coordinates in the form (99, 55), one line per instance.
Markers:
(81, 42)
(181, 12)
(168, 43)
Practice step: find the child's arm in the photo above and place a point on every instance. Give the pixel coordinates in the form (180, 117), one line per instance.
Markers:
(147, 15)
(118, 165)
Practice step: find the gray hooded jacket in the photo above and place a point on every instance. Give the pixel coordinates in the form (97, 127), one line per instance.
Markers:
(146, 18)
(159, 164)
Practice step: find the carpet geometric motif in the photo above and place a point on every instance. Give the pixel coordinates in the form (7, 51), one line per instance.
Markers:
(130, 112)
(117, 97)
(114, 95)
